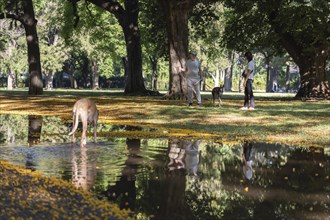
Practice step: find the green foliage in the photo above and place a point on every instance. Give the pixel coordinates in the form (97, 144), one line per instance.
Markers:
(257, 24)
(153, 28)
(206, 27)
(14, 55)
(98, 34)
(17, 133)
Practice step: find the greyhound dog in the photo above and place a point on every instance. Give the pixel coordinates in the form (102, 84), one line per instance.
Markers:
(217, 92)
(86, 110)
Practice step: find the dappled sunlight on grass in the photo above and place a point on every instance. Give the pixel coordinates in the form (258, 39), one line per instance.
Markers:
(276, 118)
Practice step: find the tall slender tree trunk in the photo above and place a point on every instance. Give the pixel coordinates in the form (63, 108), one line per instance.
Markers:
(30, 25)
(176, 13)
(217, 77)
(287, 78)
(11, 80)
(49, 79)
(153, 61)
(95, 74)
(268, 87)
(229, 72)
(240, 81)
(273, 78)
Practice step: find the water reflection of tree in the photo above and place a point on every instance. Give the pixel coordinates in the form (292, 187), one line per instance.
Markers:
(34, 133)
(173, 204)
(205, 195)
(55, 130)
(13, 128)
(34, 129)
(124, 190)
(286, 184)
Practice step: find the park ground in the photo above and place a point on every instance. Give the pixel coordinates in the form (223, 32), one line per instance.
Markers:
(278, 118)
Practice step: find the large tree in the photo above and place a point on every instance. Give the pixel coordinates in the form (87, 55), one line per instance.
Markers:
(127, 16)
(177, 14)
(23, 12)
(299, 27)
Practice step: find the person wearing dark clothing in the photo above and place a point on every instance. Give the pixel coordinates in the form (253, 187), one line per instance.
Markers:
(248, 82)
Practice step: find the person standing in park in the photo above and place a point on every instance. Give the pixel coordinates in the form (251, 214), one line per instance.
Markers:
(193, 74)
(248, 76)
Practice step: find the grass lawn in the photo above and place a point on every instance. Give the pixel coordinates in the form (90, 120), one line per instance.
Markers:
(278, 118)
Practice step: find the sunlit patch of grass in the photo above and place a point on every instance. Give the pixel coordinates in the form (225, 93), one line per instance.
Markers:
(277, 118)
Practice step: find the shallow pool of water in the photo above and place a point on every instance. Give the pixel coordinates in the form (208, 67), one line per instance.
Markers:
(178, 179)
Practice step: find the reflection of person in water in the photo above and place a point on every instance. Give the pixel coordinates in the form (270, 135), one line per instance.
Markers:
(176, 155)
(247, 160)
(173, 203)
(191, 159)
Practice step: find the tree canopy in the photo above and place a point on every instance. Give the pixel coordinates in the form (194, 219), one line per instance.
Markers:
(302, 28)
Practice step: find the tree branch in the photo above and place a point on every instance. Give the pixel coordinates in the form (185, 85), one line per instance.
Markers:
(11, 16)
(75, 12)
(288, 41)
(113, 7)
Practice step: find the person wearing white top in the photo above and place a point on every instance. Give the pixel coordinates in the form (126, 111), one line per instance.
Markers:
(193, 74)
(248, 80)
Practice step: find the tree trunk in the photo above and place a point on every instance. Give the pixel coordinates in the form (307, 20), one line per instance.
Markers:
(129, 23)
(95, 75)
(128, 20)
(312, 64)
(287, 78)
(135, 82)
(241, 80)
(217, 77)
(176, 13)
(228, 78)
(11, 80)
(314, 82)
(229, 72)
(34, 129)
(273, 79)
(173, 204)
(49, 79)
(30, 23)
(204, 80)
(268, 87)
(153, 61)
